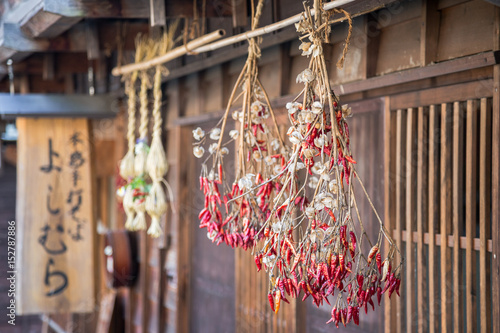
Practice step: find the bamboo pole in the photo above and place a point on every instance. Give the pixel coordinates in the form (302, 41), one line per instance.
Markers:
(169, 56)
(201, 42)
(267, 29)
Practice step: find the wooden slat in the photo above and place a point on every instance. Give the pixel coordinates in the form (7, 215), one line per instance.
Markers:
(484, 211)
(495, 198)
(410, 215)
(421, 263)
(389, 197)
(457, 213)
(433, 215)
(400, 203)
(445, 203)
(470, 210)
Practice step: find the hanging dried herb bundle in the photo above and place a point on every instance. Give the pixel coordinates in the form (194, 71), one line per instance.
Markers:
(236, 208)
(157, 166)
(141, 161)
(327, 259)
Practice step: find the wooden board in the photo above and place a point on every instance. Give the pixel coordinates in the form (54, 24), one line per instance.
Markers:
(54, 217)
(445, 215)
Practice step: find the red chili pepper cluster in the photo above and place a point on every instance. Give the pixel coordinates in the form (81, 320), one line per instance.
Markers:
(235, 223)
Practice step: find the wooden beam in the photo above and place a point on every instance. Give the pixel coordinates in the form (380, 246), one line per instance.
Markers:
(35, 22)
(429, 32)
(447, 67)
(99, 9)
(13, 38)
(450, 241)
(157, 13)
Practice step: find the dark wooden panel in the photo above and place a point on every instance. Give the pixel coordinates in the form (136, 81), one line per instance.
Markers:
(212, 284)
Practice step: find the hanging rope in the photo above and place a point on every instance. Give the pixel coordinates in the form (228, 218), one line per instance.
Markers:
(126, 169)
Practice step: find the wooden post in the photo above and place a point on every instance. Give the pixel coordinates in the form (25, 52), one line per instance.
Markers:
(429, 32)
(495, 183)
(495, 201)
(157, 13)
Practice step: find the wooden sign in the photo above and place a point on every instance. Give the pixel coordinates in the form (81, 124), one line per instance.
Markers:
(54, 223)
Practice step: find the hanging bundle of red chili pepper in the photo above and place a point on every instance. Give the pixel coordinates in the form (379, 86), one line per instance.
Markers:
(236, 207)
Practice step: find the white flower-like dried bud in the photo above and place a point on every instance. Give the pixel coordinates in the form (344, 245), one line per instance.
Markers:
(277, 169)
(307, 116)
(302, 26)
(234, 134)
(277, 227)
(320, 141)
(211, 235)
(224, 151)
(306, 75)
(269, 160)
(198, 133)
(346, 111)
(212, 148)
(310, 211)
(318, 205)
(328, 201)
(211, 175)
(316, 50)
(215, 133)
(307, 48)
(292, 107)
(309, 153)
(332, 186)
(316, 107)
(295, 137)
(198, 151)
(318, 168)
(268, 260)
(235, 115)
(257, 156)
(246, 182)
(256, 107)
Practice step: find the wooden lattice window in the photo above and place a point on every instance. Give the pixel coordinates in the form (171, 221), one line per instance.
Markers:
(439, 192)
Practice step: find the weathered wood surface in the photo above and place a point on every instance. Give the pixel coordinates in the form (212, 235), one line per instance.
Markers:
(55, 222)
